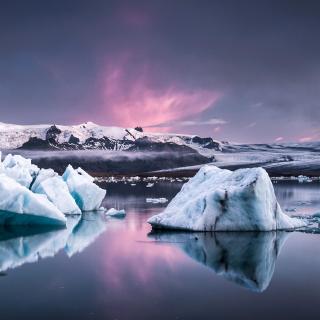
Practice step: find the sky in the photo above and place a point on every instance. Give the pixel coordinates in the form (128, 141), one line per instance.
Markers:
(242, 71)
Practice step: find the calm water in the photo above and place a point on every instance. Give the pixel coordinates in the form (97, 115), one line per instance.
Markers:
(111, 268)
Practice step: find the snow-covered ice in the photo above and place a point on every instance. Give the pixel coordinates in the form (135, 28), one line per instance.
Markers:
(116, 213)
(85, 192)
(19, 169)
(19, 205)
(221, 200)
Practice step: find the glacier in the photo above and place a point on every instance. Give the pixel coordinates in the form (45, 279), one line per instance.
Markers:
(223, 200)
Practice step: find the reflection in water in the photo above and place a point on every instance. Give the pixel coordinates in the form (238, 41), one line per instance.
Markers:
(20, 245)
(246, 258)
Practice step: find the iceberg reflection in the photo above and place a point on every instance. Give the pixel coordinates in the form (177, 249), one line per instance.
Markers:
(20, 245)
(246, 258)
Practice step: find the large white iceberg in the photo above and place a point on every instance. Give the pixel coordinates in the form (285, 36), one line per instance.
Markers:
(19, 169)
(53, 186)
(221, 200)
(85, 192)
(19, 205)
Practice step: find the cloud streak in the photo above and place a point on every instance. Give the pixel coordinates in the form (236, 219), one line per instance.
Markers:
(130, 98)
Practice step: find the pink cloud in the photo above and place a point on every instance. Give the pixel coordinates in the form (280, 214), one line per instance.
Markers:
(278, 139)
(313, 136)
(130, 99)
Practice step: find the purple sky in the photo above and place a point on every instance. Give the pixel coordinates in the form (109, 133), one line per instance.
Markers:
(246, 71)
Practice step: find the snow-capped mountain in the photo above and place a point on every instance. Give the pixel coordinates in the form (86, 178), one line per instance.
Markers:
(92, 136)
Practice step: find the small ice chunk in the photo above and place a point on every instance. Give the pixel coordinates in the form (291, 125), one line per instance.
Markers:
(149, 185)
(156, 200)
(221, 200)
(85, 192)
(19, 205)
(116, 213)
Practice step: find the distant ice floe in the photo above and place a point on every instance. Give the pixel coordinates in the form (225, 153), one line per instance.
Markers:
(245, 258)
(156, 200)
(30, 195)
(116, 213)
(222, 200)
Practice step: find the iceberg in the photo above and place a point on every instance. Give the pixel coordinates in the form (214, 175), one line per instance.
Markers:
(58, 193)
(19, 169)
(30, 195)
(116, 213)
(85, 192)
(19, 205)
(245, 258)
(223, 200)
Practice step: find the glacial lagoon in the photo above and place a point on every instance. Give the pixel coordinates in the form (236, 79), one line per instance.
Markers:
(109, 268)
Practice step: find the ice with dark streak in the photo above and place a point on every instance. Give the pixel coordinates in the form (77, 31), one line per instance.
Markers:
(223, 200)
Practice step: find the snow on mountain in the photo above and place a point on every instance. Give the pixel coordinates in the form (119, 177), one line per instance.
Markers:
(92, 136)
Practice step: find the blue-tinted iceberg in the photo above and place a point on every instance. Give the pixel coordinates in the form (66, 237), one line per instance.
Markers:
(19, 205)
(53, 186)
(85, 192)
(32, 196)
(221, 200)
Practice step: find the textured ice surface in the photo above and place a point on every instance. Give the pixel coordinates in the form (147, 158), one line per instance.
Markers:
(221, 200)
(58, 193)
(87, 195)
(19, 205)
(19, 169)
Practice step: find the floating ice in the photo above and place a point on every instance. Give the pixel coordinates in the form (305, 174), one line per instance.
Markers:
(19, 169)
(19, 205)
(87, 195)
(29, 195)
(221, 200)
(150, 185)
(156, 200)
(58, 193)
(116, 213)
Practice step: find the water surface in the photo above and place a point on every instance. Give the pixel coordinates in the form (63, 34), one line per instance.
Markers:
(108, 268)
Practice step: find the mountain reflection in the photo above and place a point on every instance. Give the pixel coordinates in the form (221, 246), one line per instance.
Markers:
(20, 245)
(246, 258)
